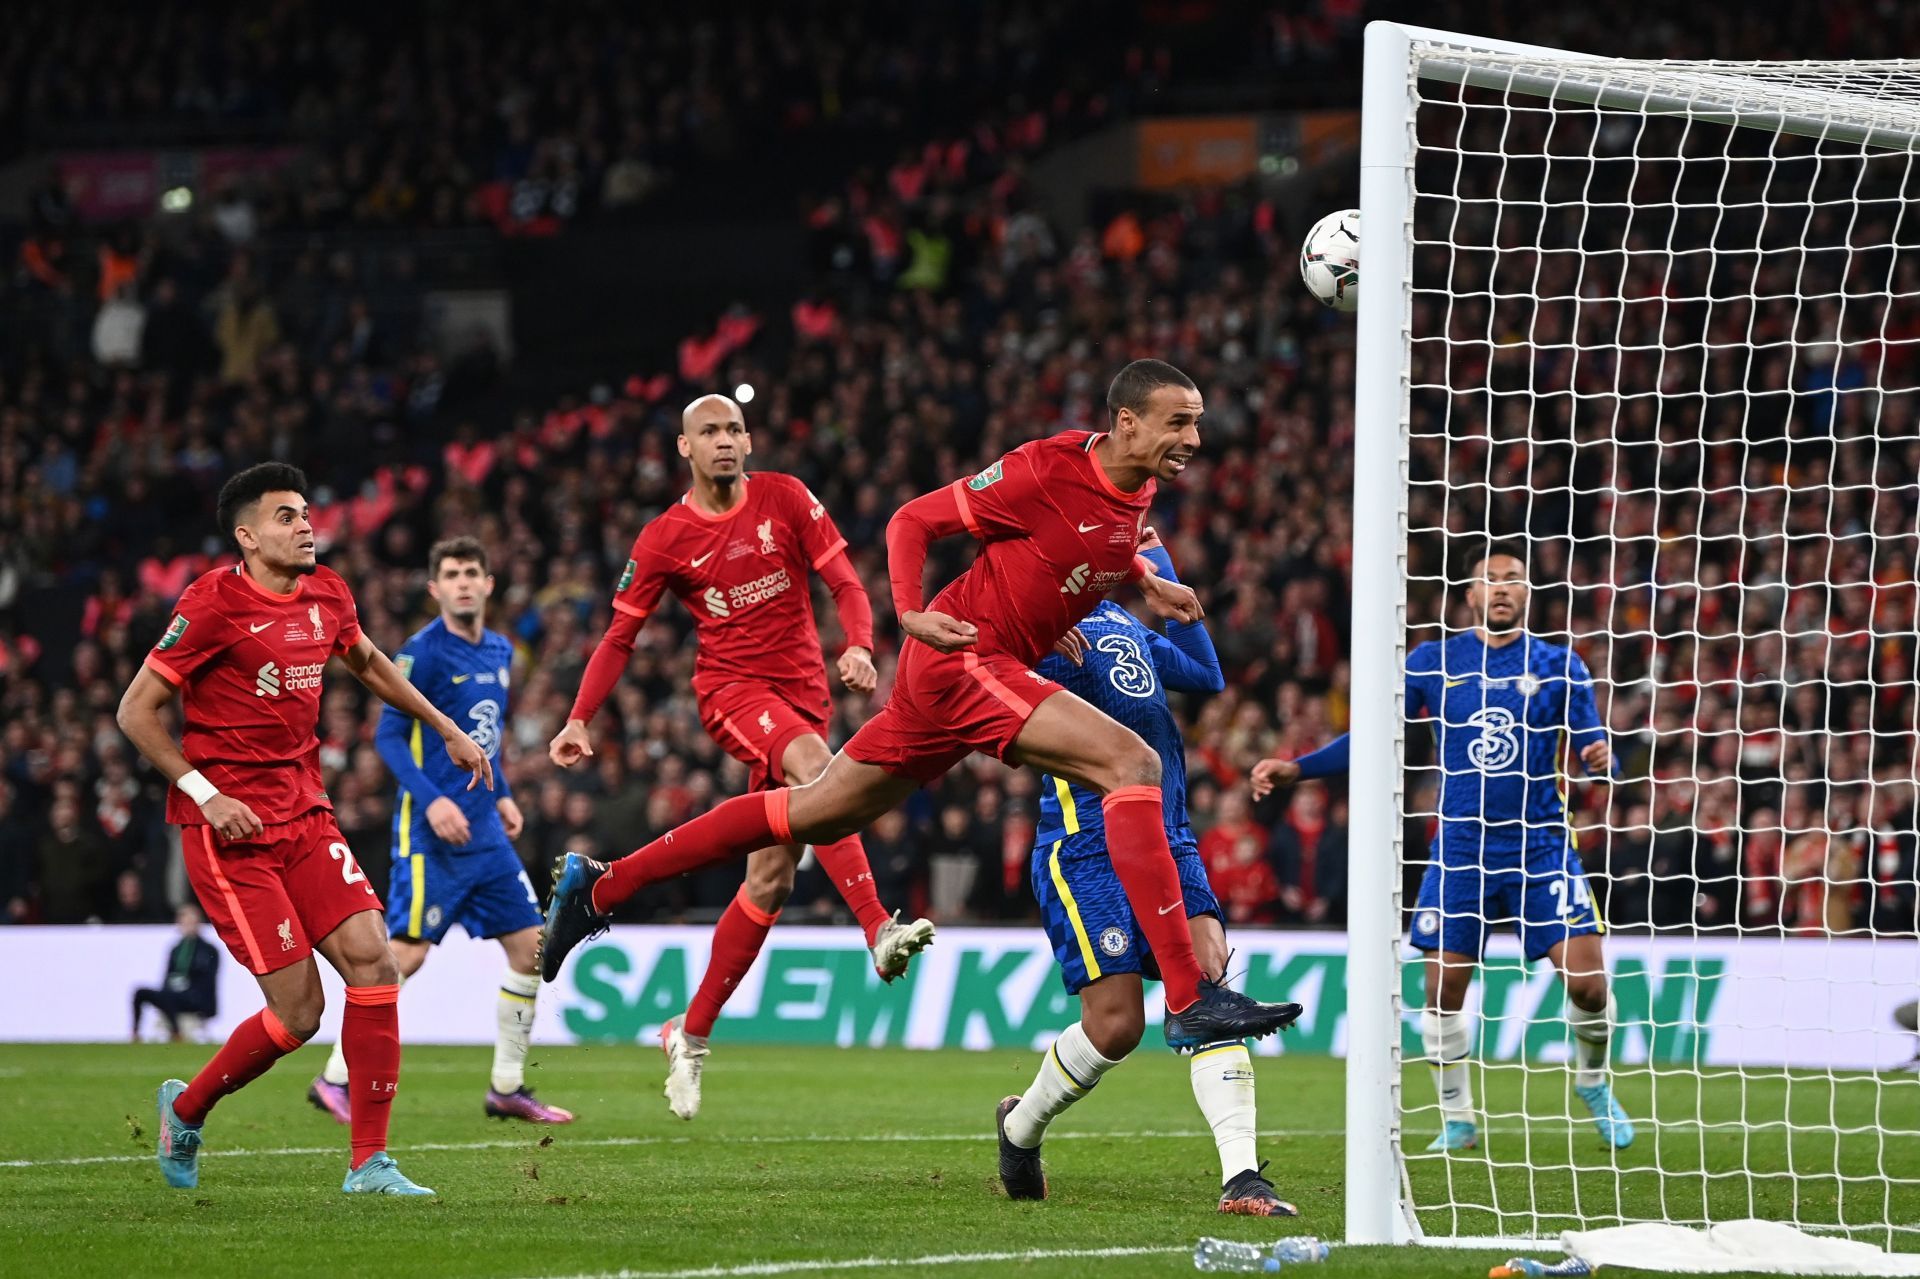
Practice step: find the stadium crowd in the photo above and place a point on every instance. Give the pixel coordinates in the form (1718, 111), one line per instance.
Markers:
(949, 320)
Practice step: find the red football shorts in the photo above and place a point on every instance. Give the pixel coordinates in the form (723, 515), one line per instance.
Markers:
(944, 707)
(271, 897)
(755, 724)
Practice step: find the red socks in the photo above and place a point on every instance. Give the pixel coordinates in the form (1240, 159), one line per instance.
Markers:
(736, 944)
(249, 1052)
(846, 861)
(730, 831)
(370, 1037)
(1137, 844)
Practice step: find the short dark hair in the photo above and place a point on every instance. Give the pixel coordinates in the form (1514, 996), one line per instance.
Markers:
(462, 548)
(1134, 385)
(254, 483)
(1495, 547)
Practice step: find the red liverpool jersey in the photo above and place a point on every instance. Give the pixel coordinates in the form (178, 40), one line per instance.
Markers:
(1056, 536)
(744, 577)
(247, 663)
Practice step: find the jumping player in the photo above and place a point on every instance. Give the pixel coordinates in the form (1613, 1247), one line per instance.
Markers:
(1058, 520)
(245, 652)
(1503, 705)
(453, 857)
(1125, 668)
(738, 550)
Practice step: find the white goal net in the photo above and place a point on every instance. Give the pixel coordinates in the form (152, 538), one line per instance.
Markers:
(1656, 328)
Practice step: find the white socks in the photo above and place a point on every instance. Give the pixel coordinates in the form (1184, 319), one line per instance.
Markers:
(1070, 1070)
(1223, 1085)
(513, 1020)
(513, 1015)
(1591, 1034)
(1448, 1040)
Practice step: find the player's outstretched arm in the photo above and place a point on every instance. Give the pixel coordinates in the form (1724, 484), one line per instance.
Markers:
(377, 671)
(1167, 599)
(1328, 761)
(1184, 656)
(139, 719)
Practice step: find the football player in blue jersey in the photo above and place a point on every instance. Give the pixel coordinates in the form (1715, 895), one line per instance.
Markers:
(1124, 668)
(1505, 707)
(453, 855)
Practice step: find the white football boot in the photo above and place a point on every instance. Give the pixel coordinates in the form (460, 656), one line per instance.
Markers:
(897, 943)
(686, 1056)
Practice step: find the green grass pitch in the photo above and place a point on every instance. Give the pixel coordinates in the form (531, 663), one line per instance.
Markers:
(816, 1155)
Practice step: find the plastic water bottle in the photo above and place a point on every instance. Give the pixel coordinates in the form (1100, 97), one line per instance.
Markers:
(1299, 1249)
(1250, 1258)
(1212, 1254)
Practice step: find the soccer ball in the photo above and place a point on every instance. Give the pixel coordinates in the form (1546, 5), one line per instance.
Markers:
(1330, 260)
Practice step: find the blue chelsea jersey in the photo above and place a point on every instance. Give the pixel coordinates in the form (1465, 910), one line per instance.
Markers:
(1126, 672)
(468, 683)
(1502, 720)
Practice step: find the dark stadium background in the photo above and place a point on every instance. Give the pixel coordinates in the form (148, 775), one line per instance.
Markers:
(465, 263)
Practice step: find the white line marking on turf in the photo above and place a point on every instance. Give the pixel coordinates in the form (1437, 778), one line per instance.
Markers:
(529, 1144)
(880, 1263)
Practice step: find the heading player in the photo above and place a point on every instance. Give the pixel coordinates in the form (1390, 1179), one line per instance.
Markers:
(1058, 520)
(1125, 668)
(737, 550)
(1504, 705)
(453, 856)
(245, 652)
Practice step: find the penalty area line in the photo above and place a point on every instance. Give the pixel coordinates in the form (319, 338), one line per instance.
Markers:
(878, 1263)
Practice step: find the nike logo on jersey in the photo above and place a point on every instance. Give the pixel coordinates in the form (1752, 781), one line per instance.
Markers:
(1168, 909)
(461, 679)
(1456, 683)
(702, 559)
(257, 629)
(1088, 528)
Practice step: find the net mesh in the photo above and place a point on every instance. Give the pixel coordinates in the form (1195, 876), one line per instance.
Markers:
(1668, 352)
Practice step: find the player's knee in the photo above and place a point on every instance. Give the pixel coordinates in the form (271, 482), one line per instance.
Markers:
(1587, 991)
(300, 1013)
(770, 883)
(1116, 1033)
(1130, 762)
(804, 760)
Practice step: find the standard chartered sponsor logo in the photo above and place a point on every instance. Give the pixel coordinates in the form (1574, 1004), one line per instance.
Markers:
(271, 680)
(760, 589)
(716, 602)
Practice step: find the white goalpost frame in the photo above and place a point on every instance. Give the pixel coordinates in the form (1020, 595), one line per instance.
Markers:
(1380, 1206)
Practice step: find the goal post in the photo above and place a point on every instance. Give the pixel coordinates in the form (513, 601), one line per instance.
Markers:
(1657, 323)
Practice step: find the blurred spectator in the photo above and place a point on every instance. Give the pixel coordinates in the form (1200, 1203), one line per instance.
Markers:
(1309, 856)
(189, 991)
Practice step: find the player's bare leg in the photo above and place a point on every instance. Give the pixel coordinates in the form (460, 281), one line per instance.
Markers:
(1069, 738)
(1447, 1036)
(370, 1034)
(1590, 1012)
(844, 798)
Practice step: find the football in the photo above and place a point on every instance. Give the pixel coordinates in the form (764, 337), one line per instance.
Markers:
(1330, 260)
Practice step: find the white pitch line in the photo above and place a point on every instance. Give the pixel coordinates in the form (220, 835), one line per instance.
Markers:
(529, 1145)
(1542, 1127)
(878, 1263)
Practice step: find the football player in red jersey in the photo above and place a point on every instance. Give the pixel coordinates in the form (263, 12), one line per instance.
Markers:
(1058, 521)
(244, 653)
(737, 550)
